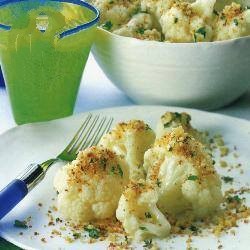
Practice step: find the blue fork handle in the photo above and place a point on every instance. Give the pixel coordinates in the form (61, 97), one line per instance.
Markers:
(11, 195)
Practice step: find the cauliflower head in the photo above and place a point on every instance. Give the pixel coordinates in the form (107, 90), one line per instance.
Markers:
(156, 7)
(232, 22)
(139, 214)
(140, 26)
(171, 120)
(186, 22)
(130, 140)
(90, 187)
(116, 12)
(182, 170)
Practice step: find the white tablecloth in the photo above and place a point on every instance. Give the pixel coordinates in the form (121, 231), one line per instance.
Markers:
(97, 91)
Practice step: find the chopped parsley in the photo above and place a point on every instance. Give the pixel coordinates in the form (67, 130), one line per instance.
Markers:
(216, 12)
(111, 2)
(103, 163)
(147, 127)
(120, 172)
(227, 179)
(176, 19)
(141, 30)
(166, 125)
(116, 170)
(158, 183)
(148, 215)
(192, 177)
(143, 228)
(177, 115)
(200, 31)
(236, 22)
(148, 243)
(76, 235)
(107, 25)
(231, 199)
(193, 228)
(93, 232)
(21, 224)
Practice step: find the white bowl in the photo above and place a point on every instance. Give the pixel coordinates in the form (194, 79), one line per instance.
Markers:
(200, 75)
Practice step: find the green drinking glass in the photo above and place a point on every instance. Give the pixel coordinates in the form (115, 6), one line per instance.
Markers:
(44, 46)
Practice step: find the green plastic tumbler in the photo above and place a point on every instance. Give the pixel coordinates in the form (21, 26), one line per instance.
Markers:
(44, 46)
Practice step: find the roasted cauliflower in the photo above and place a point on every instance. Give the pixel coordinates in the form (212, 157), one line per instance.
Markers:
(188, 22)
(116, 13)
(139, 214)
(171, 120)
(181, 169)
(130, 140)
(140, 26)
(232, 22)
(90, 187)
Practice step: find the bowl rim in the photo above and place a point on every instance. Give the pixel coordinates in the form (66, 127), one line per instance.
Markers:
(169, 44)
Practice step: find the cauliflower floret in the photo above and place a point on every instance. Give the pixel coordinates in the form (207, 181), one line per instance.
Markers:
(171, 120)
(185, 22)
(184, 173)
(130, 140)
(156, 7)
(140, 26)
(232, 22)
(116, 12)
(90, 187)
(139, 214)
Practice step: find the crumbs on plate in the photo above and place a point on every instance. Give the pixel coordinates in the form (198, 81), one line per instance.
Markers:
(141, 185)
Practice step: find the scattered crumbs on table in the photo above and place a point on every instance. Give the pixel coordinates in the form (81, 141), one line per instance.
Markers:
(43, 240)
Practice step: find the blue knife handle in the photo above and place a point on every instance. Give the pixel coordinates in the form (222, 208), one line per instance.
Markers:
(11, 195)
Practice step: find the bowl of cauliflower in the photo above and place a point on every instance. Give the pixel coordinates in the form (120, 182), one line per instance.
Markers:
(175, 52)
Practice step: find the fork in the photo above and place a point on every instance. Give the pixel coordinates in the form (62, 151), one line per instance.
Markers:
(89, 134)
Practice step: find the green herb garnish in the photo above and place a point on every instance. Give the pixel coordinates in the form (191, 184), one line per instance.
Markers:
(108, 25)
(93, 232)
(148, 243)
(193, 228)
(147, 127)
(216, 12)
(166, 125)
(120, 172)
(143, 228)
(201, 31)
(227, 179)
(192, 177)
(116, 170)
(103, 162)
(176, 19)
(148, 215)
(76, 235)
(141, 30)
(21, 224)
(236, 22)
(158, 183)
(231, 199)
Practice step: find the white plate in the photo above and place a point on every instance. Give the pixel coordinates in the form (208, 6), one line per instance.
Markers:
(37, 142)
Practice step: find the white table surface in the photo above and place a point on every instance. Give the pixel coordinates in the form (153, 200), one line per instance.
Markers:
(97, 91)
